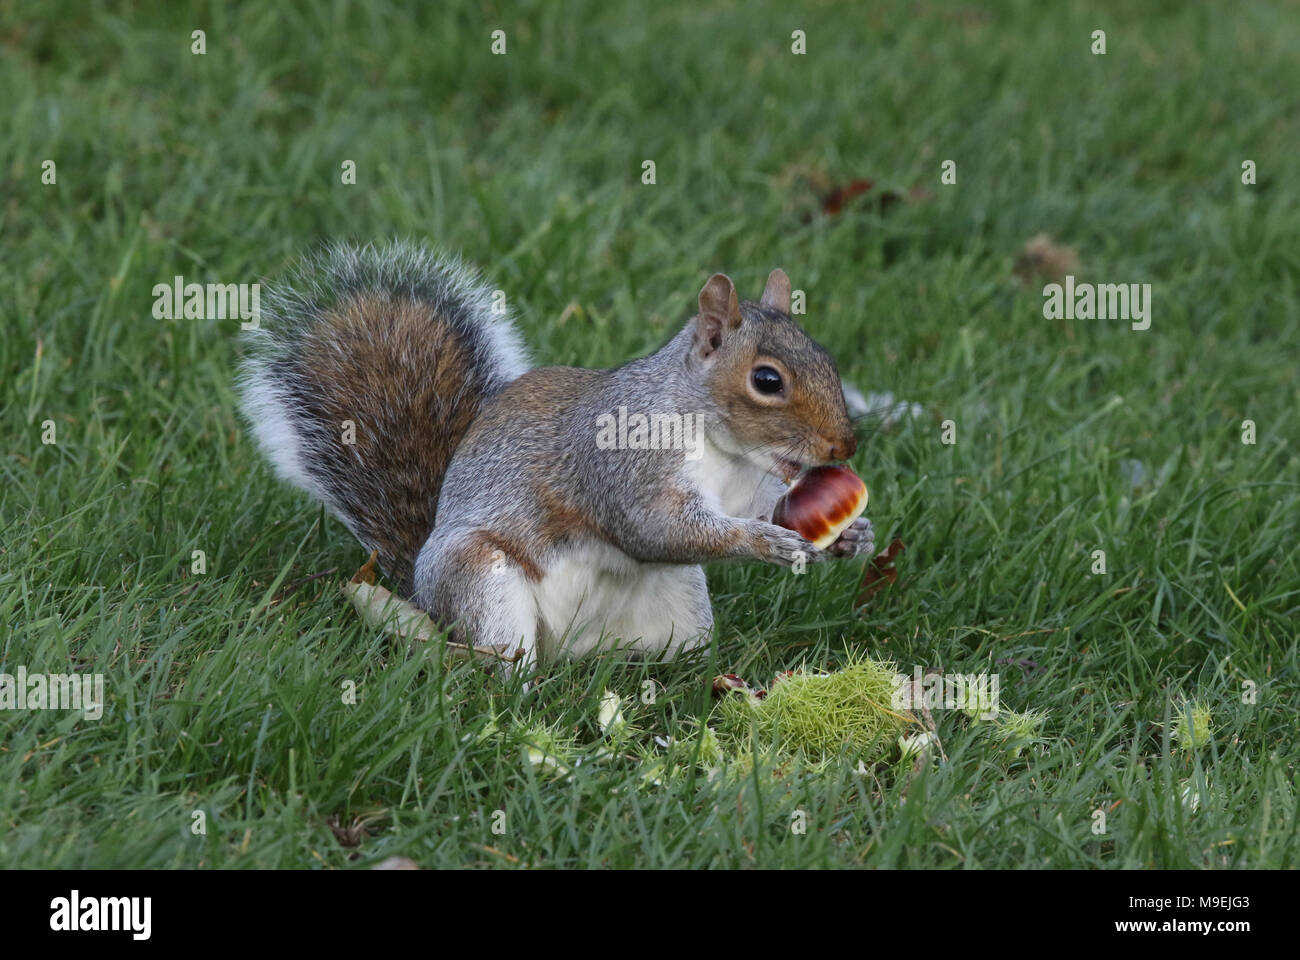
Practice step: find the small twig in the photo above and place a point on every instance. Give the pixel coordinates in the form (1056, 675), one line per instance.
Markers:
(1029, 666)
(290, 588)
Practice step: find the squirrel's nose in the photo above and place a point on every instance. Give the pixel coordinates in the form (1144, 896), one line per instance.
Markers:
(843, 448)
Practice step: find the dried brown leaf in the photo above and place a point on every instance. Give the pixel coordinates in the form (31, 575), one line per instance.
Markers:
(1044, 259)
(880, 571)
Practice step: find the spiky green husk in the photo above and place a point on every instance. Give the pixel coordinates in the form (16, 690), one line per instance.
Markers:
(1017, 730)
(844, 713)
(1194, 726)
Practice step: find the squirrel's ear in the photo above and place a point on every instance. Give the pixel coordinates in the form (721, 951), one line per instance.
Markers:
(776, 294)
(719, 313)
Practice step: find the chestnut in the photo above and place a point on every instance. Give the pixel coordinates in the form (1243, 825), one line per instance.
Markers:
(821, 504)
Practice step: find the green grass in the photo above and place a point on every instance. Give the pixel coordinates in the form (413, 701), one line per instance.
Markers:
(221, 167)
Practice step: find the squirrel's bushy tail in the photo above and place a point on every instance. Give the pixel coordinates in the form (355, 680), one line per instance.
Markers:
(367, 368)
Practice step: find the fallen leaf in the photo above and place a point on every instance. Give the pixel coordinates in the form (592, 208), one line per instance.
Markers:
(834, 201)
(350, 836)
(880, 571)
(1044, 259)
(402, 619)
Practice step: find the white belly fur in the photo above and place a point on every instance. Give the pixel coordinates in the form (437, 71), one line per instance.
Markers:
(597, 597)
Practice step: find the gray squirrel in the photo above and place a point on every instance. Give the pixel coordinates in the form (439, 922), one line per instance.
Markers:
(483, 484)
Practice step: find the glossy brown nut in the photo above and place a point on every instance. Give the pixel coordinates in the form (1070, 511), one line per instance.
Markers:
(821, 504)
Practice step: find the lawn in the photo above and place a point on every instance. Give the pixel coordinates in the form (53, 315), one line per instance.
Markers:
(226, 738)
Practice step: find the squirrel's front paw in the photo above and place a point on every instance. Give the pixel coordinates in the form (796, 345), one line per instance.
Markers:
(773, 544)
(859, 538)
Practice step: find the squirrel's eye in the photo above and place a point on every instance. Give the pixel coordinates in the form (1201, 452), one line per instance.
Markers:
(766, 380)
